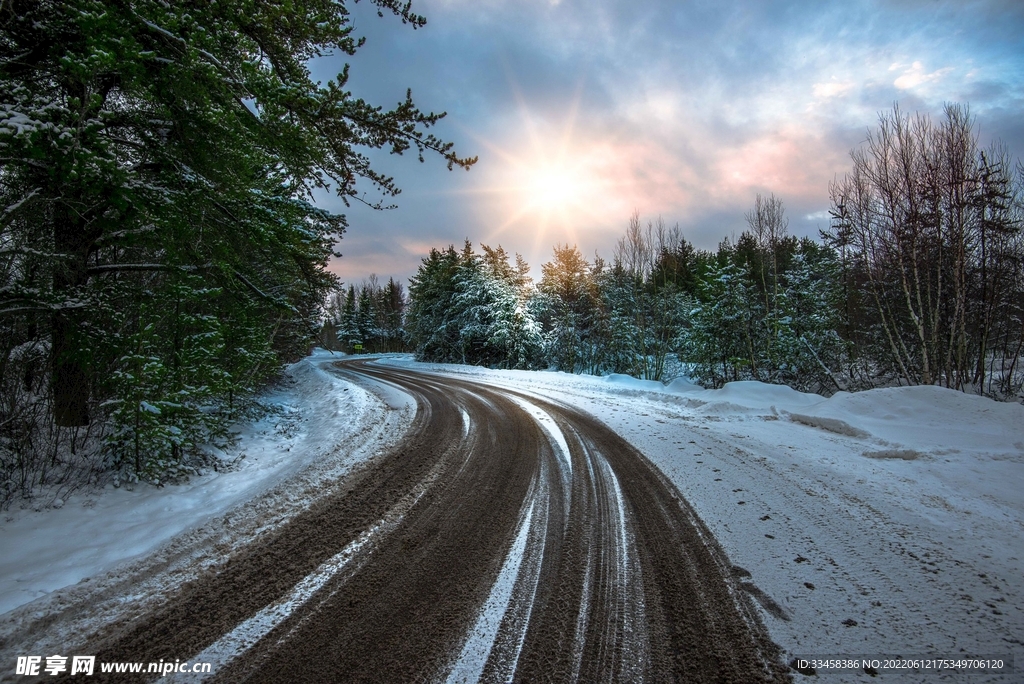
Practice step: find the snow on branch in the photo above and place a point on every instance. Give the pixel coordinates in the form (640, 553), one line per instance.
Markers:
(263, 295)
(107, 268)
(17, 205)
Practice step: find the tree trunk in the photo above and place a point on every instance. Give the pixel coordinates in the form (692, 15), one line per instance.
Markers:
(70, 374)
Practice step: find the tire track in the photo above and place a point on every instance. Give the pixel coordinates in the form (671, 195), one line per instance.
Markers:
(507, 538)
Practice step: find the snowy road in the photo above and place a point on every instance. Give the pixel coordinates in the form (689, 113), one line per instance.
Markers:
(452, 523)
(505, 537)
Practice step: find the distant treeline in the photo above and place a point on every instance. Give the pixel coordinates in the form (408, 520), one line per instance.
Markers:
(917, 280)
(368, 319)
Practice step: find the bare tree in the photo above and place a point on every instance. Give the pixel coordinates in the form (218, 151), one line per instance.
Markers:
(767, 221)
(928, 221)
(769, 225)
(652, 311)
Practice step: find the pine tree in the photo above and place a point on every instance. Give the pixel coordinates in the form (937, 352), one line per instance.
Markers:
(468, 308)
(153, 147)
(719, 343)
(572, 311)
(432, 331)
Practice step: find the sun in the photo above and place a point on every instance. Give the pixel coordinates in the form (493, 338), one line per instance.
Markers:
(554, 188)
(546, 179)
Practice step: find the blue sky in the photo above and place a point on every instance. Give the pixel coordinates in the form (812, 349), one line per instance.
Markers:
(582, 112)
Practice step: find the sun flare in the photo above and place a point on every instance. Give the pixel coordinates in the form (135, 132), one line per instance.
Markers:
(550, 181)
(554, 188)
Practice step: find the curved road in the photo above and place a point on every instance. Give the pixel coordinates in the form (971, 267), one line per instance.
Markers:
(507, 538)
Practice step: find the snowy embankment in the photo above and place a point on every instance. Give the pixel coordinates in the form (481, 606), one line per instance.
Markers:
(883, 523)
(321, 427)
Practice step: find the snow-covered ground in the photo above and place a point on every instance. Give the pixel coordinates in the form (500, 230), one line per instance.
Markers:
(881, 523)
(888, 522)
(322, 426)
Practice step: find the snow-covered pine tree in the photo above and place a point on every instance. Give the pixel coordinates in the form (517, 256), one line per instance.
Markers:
(467, 308)
(514, 336)
(571, 311)
(718, 343)
(429, 324)
(150, 146)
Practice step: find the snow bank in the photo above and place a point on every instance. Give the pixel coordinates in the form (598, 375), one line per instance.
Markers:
(95, 529)
(758, 395)
(683, 386)
(629, 382)
(933, 418)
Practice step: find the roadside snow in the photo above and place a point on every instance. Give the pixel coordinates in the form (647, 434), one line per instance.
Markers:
(882, 523)
(94, 530)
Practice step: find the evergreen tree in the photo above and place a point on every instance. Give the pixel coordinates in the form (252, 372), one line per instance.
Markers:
(153, 148)
(393, 315)
(348, 329)
(465, 308)
(719, 342)
(645, 314)
(432, 330)
(571, 311)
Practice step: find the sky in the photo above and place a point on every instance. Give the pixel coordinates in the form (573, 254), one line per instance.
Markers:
(585, 111)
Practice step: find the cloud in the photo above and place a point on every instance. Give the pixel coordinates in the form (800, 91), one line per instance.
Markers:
(832, 89)
(915, 75)
(681, 108)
